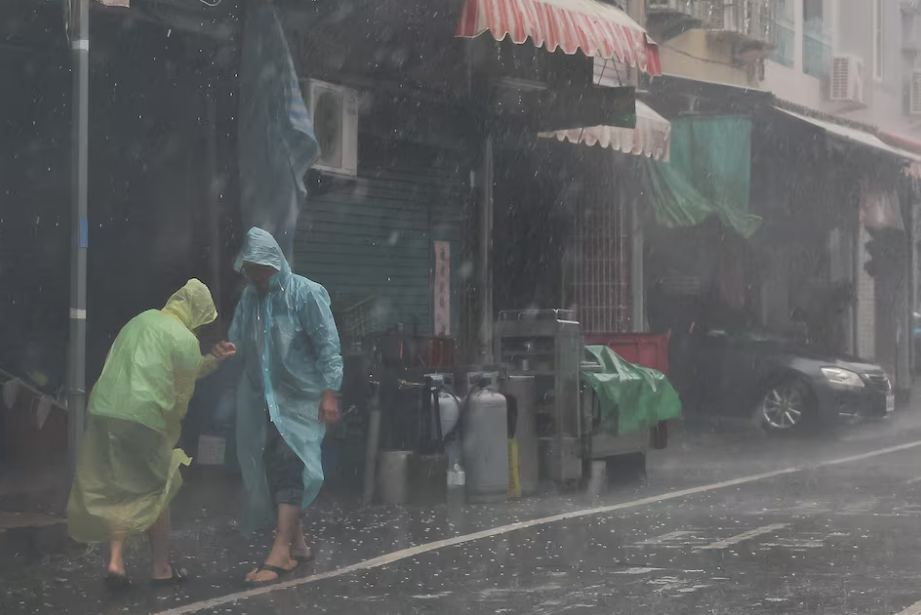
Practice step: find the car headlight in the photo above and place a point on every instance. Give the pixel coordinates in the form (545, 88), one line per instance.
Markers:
(844, 377)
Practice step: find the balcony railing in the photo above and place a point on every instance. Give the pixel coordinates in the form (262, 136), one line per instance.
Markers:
(751, 19)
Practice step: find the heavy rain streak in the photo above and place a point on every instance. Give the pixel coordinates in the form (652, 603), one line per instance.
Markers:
(396, 307)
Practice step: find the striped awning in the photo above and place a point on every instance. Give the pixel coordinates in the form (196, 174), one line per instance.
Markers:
(650, 138)
(595, 28)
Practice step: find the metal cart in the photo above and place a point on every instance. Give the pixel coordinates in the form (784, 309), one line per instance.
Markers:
(547, 344)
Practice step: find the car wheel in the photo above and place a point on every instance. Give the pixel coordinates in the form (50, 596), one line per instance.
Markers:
(786, 406)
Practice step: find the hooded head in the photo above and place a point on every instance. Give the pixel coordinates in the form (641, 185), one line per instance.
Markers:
(259, 257)
(192, 305)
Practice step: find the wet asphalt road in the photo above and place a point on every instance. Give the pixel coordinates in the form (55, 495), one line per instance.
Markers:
(839, 539)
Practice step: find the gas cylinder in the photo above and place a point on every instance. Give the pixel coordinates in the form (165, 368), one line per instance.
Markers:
(485, 446)
(449, 406)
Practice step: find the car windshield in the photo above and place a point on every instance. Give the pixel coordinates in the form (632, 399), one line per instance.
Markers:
(538, 307)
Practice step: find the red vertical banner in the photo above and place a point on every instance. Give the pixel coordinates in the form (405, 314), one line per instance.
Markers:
(442, 288)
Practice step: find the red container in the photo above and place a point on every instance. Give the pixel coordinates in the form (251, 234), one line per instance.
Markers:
(645, 349)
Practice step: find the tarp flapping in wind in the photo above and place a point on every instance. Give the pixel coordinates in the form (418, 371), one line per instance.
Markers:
(709, 174)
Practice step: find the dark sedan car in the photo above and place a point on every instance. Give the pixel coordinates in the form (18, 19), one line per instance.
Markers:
(783, 384)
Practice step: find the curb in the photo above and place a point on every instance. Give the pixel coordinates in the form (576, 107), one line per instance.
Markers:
(33, 542)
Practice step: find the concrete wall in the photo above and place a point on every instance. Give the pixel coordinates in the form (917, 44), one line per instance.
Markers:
(883, 94)
(698, 55)
(793, 85)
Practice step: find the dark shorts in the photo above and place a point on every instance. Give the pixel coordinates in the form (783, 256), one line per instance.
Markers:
(284, 470)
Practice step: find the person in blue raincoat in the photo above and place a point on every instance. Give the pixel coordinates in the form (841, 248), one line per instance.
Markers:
(285, 333)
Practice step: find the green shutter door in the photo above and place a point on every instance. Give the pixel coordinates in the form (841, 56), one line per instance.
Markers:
(372, 238)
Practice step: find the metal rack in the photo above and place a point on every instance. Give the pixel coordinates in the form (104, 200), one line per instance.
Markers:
(547, 344)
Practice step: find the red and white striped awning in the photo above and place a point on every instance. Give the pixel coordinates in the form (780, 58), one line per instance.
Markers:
(595, 28)
(650, 138)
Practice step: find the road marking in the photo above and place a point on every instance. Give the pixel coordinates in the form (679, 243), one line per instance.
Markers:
(658, 540)
(734, 540)
(396, 556)
(914, 480)
(914, 609)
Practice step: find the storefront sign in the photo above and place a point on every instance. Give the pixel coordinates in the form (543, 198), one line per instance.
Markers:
(442, 288)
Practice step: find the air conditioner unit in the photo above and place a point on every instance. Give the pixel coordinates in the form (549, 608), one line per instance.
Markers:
(334, 111)
(846, 79)
(914, 93)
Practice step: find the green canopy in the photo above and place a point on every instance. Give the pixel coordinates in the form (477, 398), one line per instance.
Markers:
(709, 174)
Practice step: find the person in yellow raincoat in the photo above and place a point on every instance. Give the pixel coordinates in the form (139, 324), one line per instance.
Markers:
(127, 468)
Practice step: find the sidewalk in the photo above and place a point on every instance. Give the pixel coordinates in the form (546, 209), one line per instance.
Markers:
(32, 501)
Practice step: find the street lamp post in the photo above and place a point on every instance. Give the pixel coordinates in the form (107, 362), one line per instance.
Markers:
(76, 369)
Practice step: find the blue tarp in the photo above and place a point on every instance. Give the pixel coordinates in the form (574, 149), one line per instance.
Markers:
(277, 143)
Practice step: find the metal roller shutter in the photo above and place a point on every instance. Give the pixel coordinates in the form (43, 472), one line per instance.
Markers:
(370, 239)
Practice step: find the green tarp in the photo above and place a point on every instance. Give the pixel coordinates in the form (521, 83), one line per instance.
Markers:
(631, 398)
(709, 174)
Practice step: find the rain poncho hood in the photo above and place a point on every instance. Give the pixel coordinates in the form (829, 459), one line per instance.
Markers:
(288, 341)
(127, 467)
(192, 305)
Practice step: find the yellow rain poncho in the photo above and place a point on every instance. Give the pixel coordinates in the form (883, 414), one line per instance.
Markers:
(127, 469)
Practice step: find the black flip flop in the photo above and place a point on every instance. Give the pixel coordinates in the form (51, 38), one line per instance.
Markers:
(177, 578)
(117, 582)
(281, 572)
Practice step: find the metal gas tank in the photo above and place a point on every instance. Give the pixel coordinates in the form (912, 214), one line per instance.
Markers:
(485, 446)
(450, 408)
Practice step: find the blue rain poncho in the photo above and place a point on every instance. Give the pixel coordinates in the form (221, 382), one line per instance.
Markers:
(128, 466)
(290, 348)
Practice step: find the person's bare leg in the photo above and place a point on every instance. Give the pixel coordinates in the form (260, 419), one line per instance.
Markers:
(280, 556)
(158, 535)
(117, 556)
(299, 546)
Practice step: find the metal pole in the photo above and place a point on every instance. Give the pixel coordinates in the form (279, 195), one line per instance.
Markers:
(484, 269)
(373, 445)
(76, 369)
(214, 208)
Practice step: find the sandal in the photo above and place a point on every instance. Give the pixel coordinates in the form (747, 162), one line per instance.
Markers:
(281, 572)
(117, 582)
(178, 577)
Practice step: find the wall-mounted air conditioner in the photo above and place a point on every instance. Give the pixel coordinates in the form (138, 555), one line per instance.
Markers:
(334, 111)
(847, 78)
(914, 93)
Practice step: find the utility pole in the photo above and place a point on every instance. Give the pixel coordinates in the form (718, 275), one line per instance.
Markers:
(76, 368)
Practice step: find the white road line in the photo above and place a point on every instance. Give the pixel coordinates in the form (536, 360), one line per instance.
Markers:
(914, 480)
(390, 558)
(914, 609)
(664, 538)
(734, 540)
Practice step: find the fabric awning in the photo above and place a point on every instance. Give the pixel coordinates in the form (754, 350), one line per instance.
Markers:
(650, 138)
(595, 28)
(855, 136)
